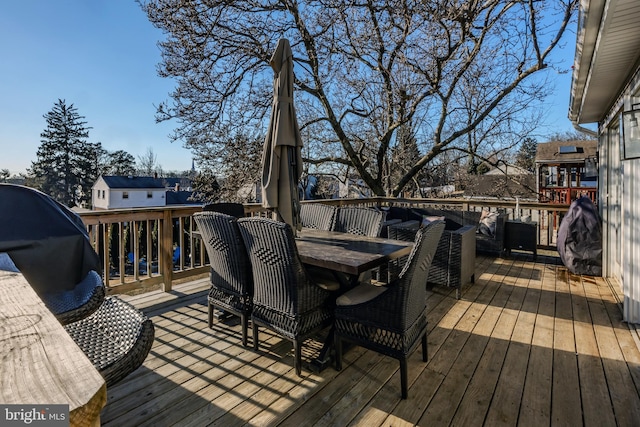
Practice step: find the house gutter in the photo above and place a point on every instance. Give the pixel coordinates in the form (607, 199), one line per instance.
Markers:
(589, 20)
(579, 128)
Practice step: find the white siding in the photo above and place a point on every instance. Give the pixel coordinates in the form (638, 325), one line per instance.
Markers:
(137, 198)
(631, 226)
(97, 201)
(631, 242)
(620, 200)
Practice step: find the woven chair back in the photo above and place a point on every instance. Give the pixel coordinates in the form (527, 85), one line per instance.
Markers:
(230, 266)
(360, 221)
(413, 277)
(280, 280)
(317, 216)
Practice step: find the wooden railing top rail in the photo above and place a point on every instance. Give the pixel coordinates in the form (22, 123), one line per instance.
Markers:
(463, 203)
(136, 214)
(151, 213)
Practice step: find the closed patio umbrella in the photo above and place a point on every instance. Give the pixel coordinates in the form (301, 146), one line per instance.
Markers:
(282, 153)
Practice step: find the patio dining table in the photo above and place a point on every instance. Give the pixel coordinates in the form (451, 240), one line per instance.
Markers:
(44, 373)
(346, 253)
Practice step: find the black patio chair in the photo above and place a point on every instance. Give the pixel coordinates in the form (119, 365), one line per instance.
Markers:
(361, 221)
(285, 300)
(318, 216)
(391, 319)
(231, 279)
(116, 338)
(229, 208)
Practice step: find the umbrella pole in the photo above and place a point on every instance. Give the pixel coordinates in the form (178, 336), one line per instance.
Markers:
(295, 201)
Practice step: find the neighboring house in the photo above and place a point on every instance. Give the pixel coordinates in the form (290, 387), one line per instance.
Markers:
(605, 89)
(566, 171)
(116, 192)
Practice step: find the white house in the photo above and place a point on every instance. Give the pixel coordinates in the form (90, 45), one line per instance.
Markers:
(114, 192)
(605, 90)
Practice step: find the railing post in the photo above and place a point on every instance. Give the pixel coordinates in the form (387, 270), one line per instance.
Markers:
(166, 250)
(106, 260)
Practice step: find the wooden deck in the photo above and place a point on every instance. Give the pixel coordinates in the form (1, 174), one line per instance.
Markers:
(528, 344)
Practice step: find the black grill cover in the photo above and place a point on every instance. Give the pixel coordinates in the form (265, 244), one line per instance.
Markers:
(46, 240)
(580, 238)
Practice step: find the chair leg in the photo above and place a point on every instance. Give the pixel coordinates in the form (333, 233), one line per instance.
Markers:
(403, 377)
(425, 355)
(245, 328)
(255, 336)
(210, 315)
(297, 357)
(338, 348)
(458, 292)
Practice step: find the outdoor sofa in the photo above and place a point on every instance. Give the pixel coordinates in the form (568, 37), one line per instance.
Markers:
(454, 262)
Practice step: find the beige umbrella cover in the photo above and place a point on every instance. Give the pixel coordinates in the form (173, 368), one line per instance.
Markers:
(282, 153)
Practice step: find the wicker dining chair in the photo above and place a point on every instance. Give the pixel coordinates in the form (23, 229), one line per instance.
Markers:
(285, 300)
(391, 319)
(361, 221)
(64, 305)
(231, 279)
(116, 338)
(318, 216)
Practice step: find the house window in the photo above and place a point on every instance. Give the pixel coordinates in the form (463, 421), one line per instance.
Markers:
(149, 194)
(103, 194)
(125, 194)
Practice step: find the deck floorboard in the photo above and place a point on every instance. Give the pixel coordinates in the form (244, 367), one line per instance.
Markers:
(527, 344)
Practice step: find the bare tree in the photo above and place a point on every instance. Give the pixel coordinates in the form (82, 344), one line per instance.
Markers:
(236, 159)
(147, 163)
(363, 69)
(570, 136)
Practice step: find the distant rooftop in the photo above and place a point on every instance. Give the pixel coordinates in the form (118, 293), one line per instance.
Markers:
(565, 151)
(141, 182)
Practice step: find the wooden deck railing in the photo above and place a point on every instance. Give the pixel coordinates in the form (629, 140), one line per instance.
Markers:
(145, 247)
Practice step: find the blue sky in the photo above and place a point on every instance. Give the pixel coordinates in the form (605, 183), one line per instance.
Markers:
(101, 56)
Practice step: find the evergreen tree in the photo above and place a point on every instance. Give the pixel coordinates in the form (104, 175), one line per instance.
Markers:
(526, 156)
(64, 159)
(119, 163)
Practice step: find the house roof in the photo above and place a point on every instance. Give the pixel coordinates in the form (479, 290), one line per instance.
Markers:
(181, 198)
(607, 50)
(502, 187)
(550, 152)
(510, 170)
(133, 182)
(143, 182)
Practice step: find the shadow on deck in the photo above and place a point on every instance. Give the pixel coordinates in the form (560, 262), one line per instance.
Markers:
(527, 344)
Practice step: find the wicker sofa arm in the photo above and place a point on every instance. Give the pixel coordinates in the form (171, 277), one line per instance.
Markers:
(465, 238)
(454, 262)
